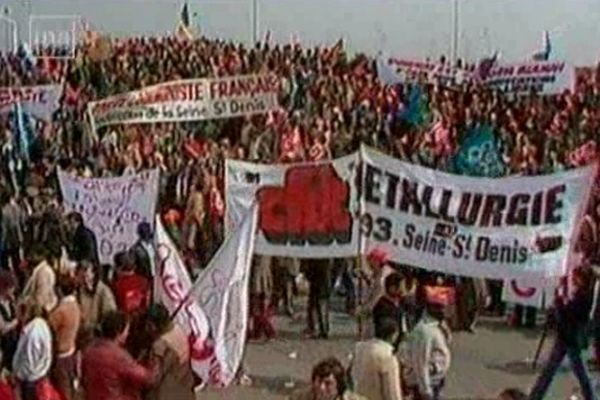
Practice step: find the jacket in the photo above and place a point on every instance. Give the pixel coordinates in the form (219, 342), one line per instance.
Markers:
(573, 319)
(110, 373)
(40, 287)
(375, 371)
(143, 261)
(95, 304)
(425, 356)
(84, 246)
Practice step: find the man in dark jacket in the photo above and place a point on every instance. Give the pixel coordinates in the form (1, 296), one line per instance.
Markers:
(390, 306)
(84, 245)
(318, 274)
(572, 324)
(144, 252)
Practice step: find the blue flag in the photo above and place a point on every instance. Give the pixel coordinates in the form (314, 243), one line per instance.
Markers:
(23, 129)
(416, 112)
(480, 154)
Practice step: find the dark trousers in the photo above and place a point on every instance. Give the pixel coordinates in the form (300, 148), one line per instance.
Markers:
(11, 261)
(63, 375)
(318, 309)
(530, 314)
(558, 353)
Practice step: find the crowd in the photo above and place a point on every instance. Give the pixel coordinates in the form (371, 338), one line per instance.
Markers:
(58, 298)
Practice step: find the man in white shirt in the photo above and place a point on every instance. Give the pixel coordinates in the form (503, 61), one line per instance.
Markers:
(425, 355)
(375, 368)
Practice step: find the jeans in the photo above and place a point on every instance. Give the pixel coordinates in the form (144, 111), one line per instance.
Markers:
(558, 353)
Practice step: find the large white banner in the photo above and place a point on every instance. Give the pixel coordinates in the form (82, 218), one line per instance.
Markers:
(543, 77)
(112, 207)
(38, 101)
(222, 292)
(189, 100)
(513, 227)
(305, 210)
(173, 289)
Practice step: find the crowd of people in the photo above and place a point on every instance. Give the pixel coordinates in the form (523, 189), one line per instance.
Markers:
(56, 297)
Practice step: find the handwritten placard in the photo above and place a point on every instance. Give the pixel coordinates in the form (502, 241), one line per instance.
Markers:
(112, 207)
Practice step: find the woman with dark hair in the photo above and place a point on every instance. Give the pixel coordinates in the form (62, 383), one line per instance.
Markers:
(328, 382)
(94, 296)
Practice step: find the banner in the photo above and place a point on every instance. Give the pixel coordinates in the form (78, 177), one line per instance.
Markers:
(39, 101)
(515, 227)
(189, 100)
(398, 70)
(305, 210)
(530, 295)
(112, 207)
(172, 287)
(543, 77)
(222, 292)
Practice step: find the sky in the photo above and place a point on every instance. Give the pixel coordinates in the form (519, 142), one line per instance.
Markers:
(403, 28)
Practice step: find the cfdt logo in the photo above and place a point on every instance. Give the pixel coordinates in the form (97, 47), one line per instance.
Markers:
(54, 36)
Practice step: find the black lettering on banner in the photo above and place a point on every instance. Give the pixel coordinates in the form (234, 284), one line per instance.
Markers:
(372, 184)
(106, 247)
(517, 210)
(492, 210)
(553, 204)
(384, 229)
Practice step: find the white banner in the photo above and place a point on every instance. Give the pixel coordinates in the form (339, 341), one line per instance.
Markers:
(173, 287)
(222, 292)
(543, 77)
(38, 101)
(513, 227)
(305, 210)
(112, 207)
(189, 100)
(398, 70)
(530, 295)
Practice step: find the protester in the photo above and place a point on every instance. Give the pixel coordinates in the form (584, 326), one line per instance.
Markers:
(391, 306)
(95, 297)
(108, 371)
(132, 290)
(328, 382)
(83, 245)
(33, 357)
(64, 322)
(318, 274)
(261, 287)
(171, 354)
(12, 236)
(572, 325)
(9, 323)
(425, 355)
(375, 369)
(144, 252)
(41, 286)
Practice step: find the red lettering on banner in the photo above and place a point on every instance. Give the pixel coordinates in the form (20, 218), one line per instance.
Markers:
(312, 206)
(522, 292)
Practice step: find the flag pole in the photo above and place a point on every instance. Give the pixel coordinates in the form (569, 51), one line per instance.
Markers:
(454, 47)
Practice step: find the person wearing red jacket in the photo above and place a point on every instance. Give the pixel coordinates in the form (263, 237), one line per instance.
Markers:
(109, 372)
(132, 291)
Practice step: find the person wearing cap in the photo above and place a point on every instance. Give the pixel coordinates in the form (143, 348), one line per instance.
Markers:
(572, 324)
(425, 355)
(377, 260)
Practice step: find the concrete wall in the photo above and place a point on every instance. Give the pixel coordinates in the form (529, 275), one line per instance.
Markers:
(404, 27)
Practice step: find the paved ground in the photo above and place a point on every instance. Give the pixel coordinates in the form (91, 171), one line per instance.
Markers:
(484, 363)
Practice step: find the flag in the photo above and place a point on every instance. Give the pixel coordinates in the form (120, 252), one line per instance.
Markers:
(172, 288)
(184, 16)
(385, 73)
(23, 130)
(416, 111)
(222, 292)
(28, 60)
(485, 66)
(544, 54)
(480, 154)
(184, 30)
